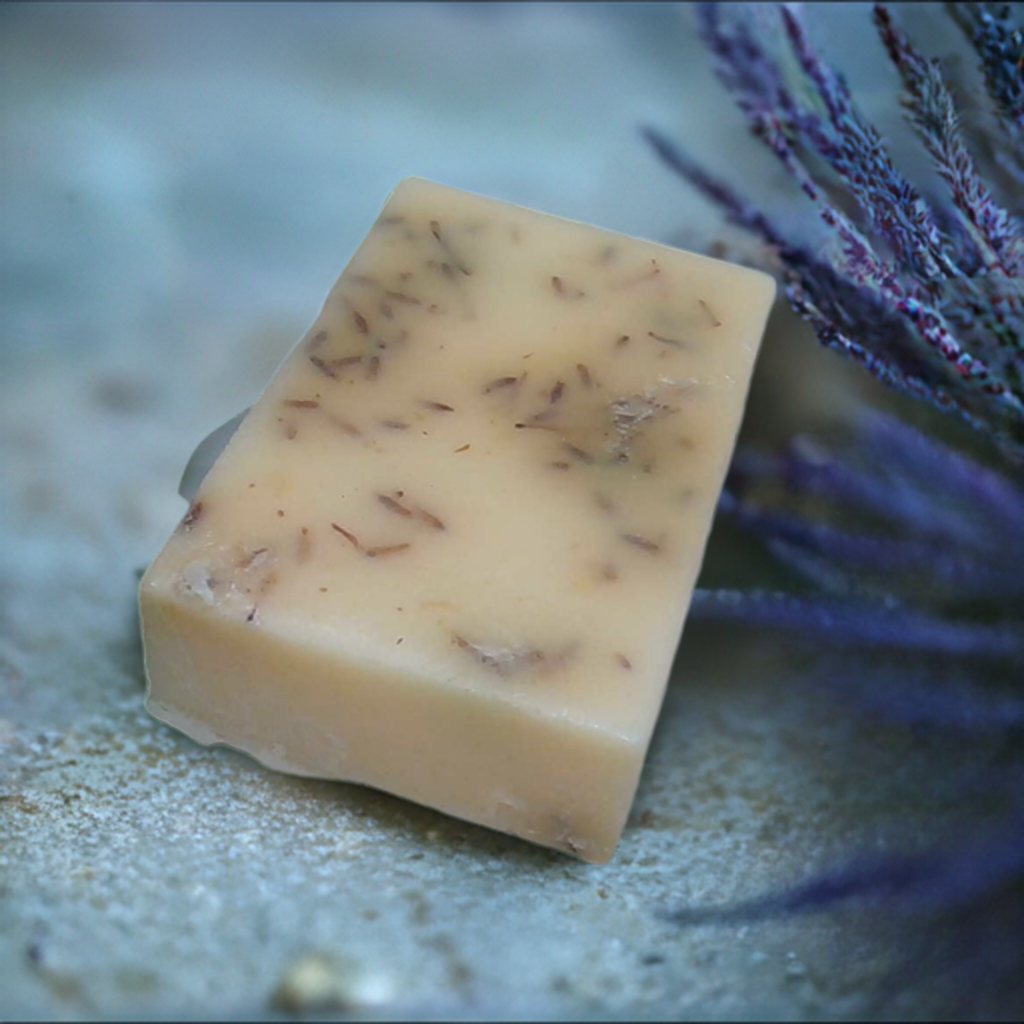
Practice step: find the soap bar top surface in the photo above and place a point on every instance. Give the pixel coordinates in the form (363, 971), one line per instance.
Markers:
(491, 464)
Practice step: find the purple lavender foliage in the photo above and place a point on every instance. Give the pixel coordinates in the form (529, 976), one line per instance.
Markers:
(904, 554)
(928, 299)
(945, 531)
(995, 32)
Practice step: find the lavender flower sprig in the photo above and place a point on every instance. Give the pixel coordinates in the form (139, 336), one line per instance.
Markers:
(999, 44)
(994, 232)
(934, 294)
(910, 556)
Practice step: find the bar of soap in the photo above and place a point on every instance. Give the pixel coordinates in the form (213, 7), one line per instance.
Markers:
(450, 550)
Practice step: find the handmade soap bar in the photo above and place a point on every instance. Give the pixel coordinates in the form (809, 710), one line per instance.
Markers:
(450, 550)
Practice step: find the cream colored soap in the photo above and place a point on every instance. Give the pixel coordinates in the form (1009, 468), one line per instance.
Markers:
(450, 550)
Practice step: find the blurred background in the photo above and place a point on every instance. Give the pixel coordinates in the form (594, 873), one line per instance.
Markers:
(180, 184)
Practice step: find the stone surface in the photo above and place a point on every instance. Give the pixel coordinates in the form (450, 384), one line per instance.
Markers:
(149, 876)
(159, 186)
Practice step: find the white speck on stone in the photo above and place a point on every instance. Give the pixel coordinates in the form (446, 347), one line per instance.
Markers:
(319, 983)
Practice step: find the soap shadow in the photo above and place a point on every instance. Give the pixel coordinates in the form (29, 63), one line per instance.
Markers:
(424, 828)
(412, 830)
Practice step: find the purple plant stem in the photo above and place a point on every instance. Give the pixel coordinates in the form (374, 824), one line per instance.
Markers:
(856, 624)
(950, 569)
